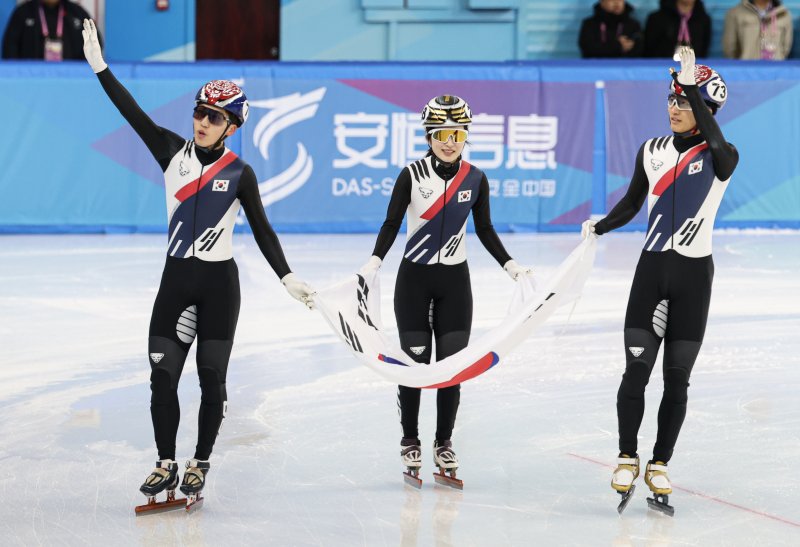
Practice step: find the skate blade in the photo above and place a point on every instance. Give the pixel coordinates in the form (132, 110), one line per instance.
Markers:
(626, 498)
(412, 479)
(193, 504)
(660, 503)
(159, 507)
(448, 480)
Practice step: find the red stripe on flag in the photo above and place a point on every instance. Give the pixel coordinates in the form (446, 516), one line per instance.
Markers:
(669, 177)
(192, 188)
(478, 367)
(448, 195)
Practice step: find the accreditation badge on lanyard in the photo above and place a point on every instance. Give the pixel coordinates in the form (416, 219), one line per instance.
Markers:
(53, 47)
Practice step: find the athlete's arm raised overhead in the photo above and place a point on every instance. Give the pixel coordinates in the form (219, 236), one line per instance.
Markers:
(262, 230)
(162, 143)
(725, 155)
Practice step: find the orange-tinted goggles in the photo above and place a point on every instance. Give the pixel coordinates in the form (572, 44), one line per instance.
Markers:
(444, 135)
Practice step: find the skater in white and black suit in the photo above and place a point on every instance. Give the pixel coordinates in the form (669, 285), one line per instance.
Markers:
(433, 297)
(683, 177)
(206, 184)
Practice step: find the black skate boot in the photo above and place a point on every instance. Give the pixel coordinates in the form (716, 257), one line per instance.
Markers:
(164, 477)
(194, 479)
(445, 459)
(411, 454)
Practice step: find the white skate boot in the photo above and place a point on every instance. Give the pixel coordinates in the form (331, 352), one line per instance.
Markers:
(411, 455)
(445, 459)
(655, 475)
(622, 481)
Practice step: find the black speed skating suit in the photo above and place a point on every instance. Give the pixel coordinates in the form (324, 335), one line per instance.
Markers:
(433, 297)
(683, 179)
(199, 293)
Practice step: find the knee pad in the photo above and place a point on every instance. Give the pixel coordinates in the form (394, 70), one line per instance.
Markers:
(451, 343)
(214, 355)
(681, 354)
(166, 364)
(417, 344)
(676, 384)
(212, 387)
(641, 350)
(641, 347)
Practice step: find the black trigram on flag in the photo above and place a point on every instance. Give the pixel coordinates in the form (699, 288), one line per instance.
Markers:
(350, 336)
(361, 294)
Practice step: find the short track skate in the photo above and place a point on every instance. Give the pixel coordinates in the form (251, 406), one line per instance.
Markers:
(660, 503)
(164, 478)
(626, 498)
(194, 502)
(447, 477)
(152, 506)
(194, 480)
(411, 477)
(445, 459)
(411, 456)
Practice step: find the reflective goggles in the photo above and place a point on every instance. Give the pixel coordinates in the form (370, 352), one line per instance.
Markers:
(678, 101)
(215, 117)
(444, 135)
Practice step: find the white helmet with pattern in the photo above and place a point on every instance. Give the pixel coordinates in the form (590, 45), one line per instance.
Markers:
(446, 111)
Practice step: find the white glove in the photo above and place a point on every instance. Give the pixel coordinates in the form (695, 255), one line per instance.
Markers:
(371, 266)
(514, 270)
(91, 47)
(686, 75)
(299, 290)
(588, 228)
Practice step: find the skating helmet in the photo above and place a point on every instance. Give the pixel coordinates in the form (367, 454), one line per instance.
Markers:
(226, 95)
(712, 87)
(446, 111)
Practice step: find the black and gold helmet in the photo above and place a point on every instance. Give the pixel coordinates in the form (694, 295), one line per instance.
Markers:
(446, 111)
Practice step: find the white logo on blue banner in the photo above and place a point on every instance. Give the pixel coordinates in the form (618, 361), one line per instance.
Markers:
(284, 112)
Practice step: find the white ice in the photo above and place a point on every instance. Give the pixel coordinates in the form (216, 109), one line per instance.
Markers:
(308, 454)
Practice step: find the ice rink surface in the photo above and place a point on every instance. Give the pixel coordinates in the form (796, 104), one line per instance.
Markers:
(308, 454)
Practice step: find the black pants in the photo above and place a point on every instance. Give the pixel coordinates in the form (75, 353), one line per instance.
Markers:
(432, 301)
(196, 299)
(669, 300)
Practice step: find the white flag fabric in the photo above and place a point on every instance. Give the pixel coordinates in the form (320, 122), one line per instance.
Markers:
(352, 309)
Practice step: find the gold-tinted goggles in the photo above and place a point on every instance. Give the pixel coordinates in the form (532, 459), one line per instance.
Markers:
(444, 135)
(678, 101)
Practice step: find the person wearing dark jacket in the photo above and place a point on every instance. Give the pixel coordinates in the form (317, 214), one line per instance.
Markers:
(611, 31)
(677, 23)
(45, 29)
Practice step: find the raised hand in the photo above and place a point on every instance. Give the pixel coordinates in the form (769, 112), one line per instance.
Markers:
(91, 47)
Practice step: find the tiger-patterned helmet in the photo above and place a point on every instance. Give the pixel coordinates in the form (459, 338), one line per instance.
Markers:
(446, 111)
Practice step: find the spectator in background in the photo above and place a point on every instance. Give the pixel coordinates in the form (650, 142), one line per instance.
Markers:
(677, 23)
(758, 29)
(611, 31)
(45, 29)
